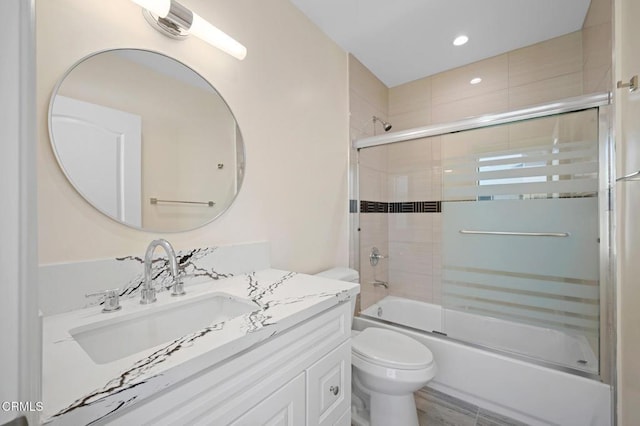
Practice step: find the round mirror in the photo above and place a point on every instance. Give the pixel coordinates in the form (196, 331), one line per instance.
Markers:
(146, 140)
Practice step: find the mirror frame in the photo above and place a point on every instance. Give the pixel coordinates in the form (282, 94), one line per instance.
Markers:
(240, 165)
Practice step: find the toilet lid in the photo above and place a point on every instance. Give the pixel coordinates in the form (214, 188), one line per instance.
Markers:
(391, 349)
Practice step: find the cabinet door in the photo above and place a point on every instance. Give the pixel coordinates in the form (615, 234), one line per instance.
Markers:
(285, 407)
(329, 387)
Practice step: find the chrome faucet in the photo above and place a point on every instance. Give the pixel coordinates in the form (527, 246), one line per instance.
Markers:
(148, 293)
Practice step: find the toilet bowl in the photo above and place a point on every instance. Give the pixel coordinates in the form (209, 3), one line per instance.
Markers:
(387, 367)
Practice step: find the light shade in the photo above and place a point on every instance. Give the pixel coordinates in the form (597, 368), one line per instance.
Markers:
(176, 21)
(212, 35)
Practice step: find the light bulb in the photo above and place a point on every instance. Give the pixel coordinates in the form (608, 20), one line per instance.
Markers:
(460, 40)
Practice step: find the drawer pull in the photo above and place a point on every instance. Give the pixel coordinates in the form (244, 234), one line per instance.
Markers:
(335, 390)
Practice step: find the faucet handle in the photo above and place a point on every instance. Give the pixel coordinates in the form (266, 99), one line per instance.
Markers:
(111, 300)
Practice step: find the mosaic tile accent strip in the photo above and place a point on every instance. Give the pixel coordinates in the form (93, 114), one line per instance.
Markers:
(401, 207)
(416, 207)
(373, 207)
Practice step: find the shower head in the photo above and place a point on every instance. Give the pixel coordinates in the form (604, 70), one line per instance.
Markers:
(385, 125)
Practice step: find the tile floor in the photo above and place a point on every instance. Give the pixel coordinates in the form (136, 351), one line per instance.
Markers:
(439, 409)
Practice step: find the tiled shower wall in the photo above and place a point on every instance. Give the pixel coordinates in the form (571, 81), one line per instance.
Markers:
(414, 173)
(399, 214)
(571, 65)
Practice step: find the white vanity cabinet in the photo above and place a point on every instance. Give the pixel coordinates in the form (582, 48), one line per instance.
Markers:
(300, 377)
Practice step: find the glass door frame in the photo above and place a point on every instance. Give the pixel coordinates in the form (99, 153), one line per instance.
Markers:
(606, 200)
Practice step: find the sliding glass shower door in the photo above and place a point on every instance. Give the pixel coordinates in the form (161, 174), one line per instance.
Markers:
(521, 238)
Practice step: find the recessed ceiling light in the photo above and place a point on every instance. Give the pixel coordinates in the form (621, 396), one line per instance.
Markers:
(475, 80)
(460, 40)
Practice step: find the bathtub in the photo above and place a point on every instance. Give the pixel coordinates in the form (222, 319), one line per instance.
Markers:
(528, 392)
(545, 344)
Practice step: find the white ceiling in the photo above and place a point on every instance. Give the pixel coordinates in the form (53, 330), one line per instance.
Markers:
(404, 40)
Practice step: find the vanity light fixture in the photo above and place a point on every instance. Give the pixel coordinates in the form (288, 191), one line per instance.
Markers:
(475, 80)
(460, 40)
(176, 21)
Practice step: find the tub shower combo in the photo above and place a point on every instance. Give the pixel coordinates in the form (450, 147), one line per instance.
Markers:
(492, 239)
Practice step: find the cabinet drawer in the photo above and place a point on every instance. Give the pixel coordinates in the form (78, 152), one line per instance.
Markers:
(284, 407)
(329, 386)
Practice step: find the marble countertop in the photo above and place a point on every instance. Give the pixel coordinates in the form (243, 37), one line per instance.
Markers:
(77, 390)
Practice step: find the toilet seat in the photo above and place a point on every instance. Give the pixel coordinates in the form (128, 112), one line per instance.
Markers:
(392, 377)
(389, 349)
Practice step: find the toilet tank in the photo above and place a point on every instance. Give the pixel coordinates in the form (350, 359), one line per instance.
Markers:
(341, 273)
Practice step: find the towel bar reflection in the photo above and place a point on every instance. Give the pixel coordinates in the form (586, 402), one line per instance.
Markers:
(204, 203)
(520, 234)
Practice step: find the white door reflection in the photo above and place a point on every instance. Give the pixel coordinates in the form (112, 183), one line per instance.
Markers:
(101, 150)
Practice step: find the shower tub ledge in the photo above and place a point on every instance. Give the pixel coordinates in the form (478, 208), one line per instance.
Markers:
(527, 392)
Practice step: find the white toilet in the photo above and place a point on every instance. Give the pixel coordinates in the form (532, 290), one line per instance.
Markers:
(387, 368)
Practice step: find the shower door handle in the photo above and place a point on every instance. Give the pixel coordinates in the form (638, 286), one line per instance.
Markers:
(520, 234)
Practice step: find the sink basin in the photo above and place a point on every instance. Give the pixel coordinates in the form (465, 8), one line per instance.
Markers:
(118, 337)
